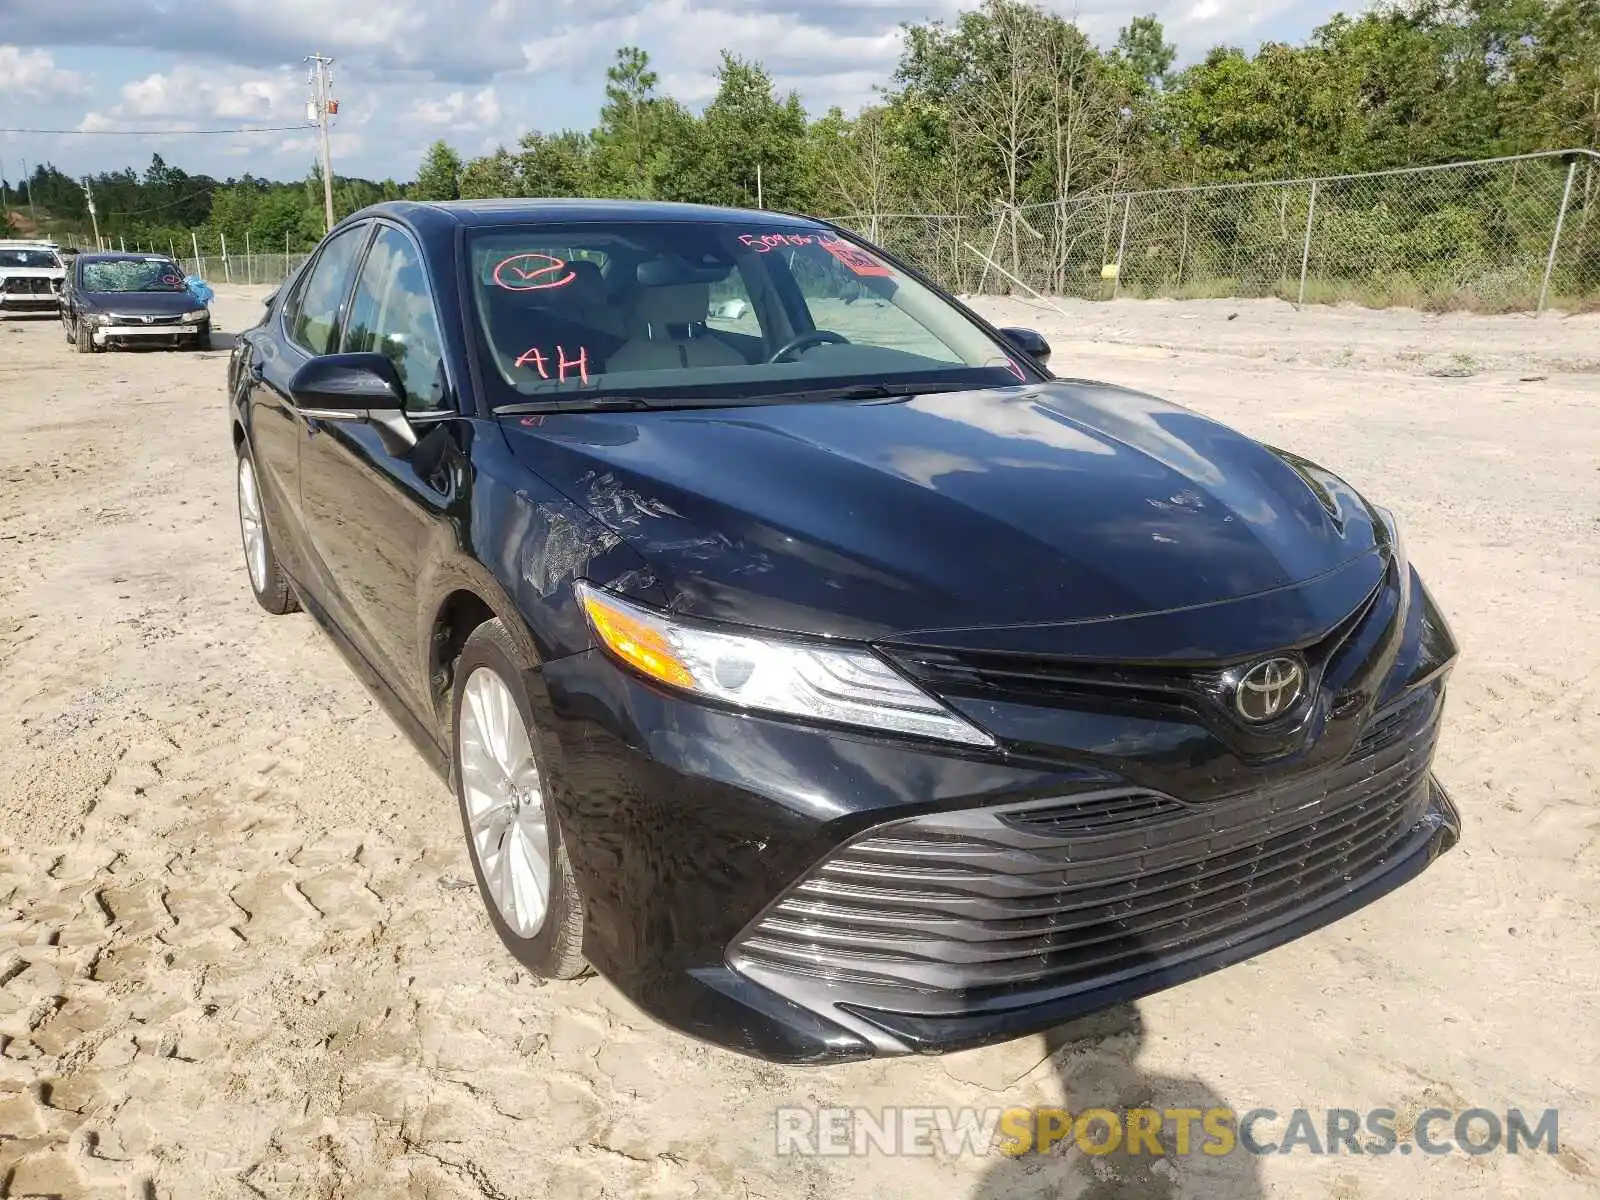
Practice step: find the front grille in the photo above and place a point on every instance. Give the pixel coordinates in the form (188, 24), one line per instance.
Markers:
(1089, 815)
(978, 903)
(162, 320)
(29, 286)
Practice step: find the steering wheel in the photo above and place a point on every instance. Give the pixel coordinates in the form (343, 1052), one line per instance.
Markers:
(816, 337)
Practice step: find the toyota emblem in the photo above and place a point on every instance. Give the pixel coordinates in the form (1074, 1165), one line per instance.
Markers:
(1269, 689)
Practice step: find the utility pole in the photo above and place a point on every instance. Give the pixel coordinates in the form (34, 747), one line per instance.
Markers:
(33, 213)
(318, 110)
(90, 195)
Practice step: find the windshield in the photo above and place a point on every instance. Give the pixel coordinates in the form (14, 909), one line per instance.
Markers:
(664, 309)
(132, 275)
(42, 259)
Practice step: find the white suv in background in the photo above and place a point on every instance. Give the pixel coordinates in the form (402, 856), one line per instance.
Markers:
(30, 276)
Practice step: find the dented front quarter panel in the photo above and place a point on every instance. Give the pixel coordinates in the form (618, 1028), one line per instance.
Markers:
(536, 543)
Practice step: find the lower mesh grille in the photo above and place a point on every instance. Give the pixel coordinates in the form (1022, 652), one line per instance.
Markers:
(980, 903)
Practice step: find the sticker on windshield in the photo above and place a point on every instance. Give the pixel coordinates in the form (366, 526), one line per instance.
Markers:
(532, 273)
(855, 259)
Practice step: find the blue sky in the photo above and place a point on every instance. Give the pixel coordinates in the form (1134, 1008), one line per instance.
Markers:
(410, 71)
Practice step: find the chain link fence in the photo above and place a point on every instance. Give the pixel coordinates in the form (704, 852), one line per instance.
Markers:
(1503, 235)
(213, 257)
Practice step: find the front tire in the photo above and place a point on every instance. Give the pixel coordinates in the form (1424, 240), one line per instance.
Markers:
(267, 580)
(504, 791)
(202, 337)
(83, 337)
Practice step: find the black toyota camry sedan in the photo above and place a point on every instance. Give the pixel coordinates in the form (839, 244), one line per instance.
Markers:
(805, 656)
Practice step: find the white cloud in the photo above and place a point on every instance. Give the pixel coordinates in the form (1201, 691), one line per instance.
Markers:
(457, 112)
(33, 75)
(189, 97)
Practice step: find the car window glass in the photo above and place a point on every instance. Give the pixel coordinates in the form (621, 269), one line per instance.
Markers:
(676, 306)
(392, 314)
(314, 315)
(838, 299)
(731, 307)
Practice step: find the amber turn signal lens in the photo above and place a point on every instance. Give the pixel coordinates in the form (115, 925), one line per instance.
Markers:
(634, 642)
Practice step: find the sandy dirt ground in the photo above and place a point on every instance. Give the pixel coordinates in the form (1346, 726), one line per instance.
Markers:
(239, 956)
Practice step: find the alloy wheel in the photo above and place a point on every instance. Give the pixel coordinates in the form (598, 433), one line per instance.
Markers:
(508, 824)
(251, 526)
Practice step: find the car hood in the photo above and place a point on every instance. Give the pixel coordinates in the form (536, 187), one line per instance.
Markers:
(31, 272)
(1068, 517)
(143, 304)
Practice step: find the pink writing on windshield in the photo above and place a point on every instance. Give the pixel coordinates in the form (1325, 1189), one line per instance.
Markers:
(581, 363)
(532, 273)
(1011, 366)
(540, 362)
(763, 242)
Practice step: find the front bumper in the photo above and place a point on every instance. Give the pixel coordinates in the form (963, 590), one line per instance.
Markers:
(29, 302)
(106, 334)
(807, 895)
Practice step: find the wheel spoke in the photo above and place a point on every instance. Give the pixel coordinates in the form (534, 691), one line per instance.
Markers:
(503, 794)
(495, 817)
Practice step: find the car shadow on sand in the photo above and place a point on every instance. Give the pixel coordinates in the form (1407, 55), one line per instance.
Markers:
(1096, 1060)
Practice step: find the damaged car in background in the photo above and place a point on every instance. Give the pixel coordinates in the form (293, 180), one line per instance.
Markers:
(30, 277)
(805, 656)
(113, 301)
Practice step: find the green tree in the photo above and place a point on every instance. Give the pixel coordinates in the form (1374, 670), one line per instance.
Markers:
(628, 138)
(439, 177)
(751, 145)
(555, 164)
(1143, 45)
(492, 176)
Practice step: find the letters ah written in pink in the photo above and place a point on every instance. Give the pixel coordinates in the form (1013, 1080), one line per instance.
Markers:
(540, 362)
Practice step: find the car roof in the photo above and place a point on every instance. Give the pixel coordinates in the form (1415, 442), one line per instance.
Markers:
(485, 213)
(27, 244)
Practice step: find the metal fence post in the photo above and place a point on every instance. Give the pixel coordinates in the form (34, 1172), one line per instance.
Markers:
(1122, 246)
(1305, 250)
(1555, 240)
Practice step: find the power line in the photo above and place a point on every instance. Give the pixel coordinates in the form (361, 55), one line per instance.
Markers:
(163, 132)
(203, 189)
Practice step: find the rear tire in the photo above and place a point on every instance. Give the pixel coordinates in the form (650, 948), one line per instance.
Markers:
(504, 787)
(267, 580)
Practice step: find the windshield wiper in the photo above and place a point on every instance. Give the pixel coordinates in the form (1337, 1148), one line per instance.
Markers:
(621, 403)
(574, 404)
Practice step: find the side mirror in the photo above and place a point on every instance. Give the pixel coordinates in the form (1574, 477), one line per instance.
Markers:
(1030, 343)
(362, 388)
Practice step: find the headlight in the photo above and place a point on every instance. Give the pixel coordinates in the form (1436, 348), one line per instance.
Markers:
(198, 314)
(1396, 542)
(771, 673)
